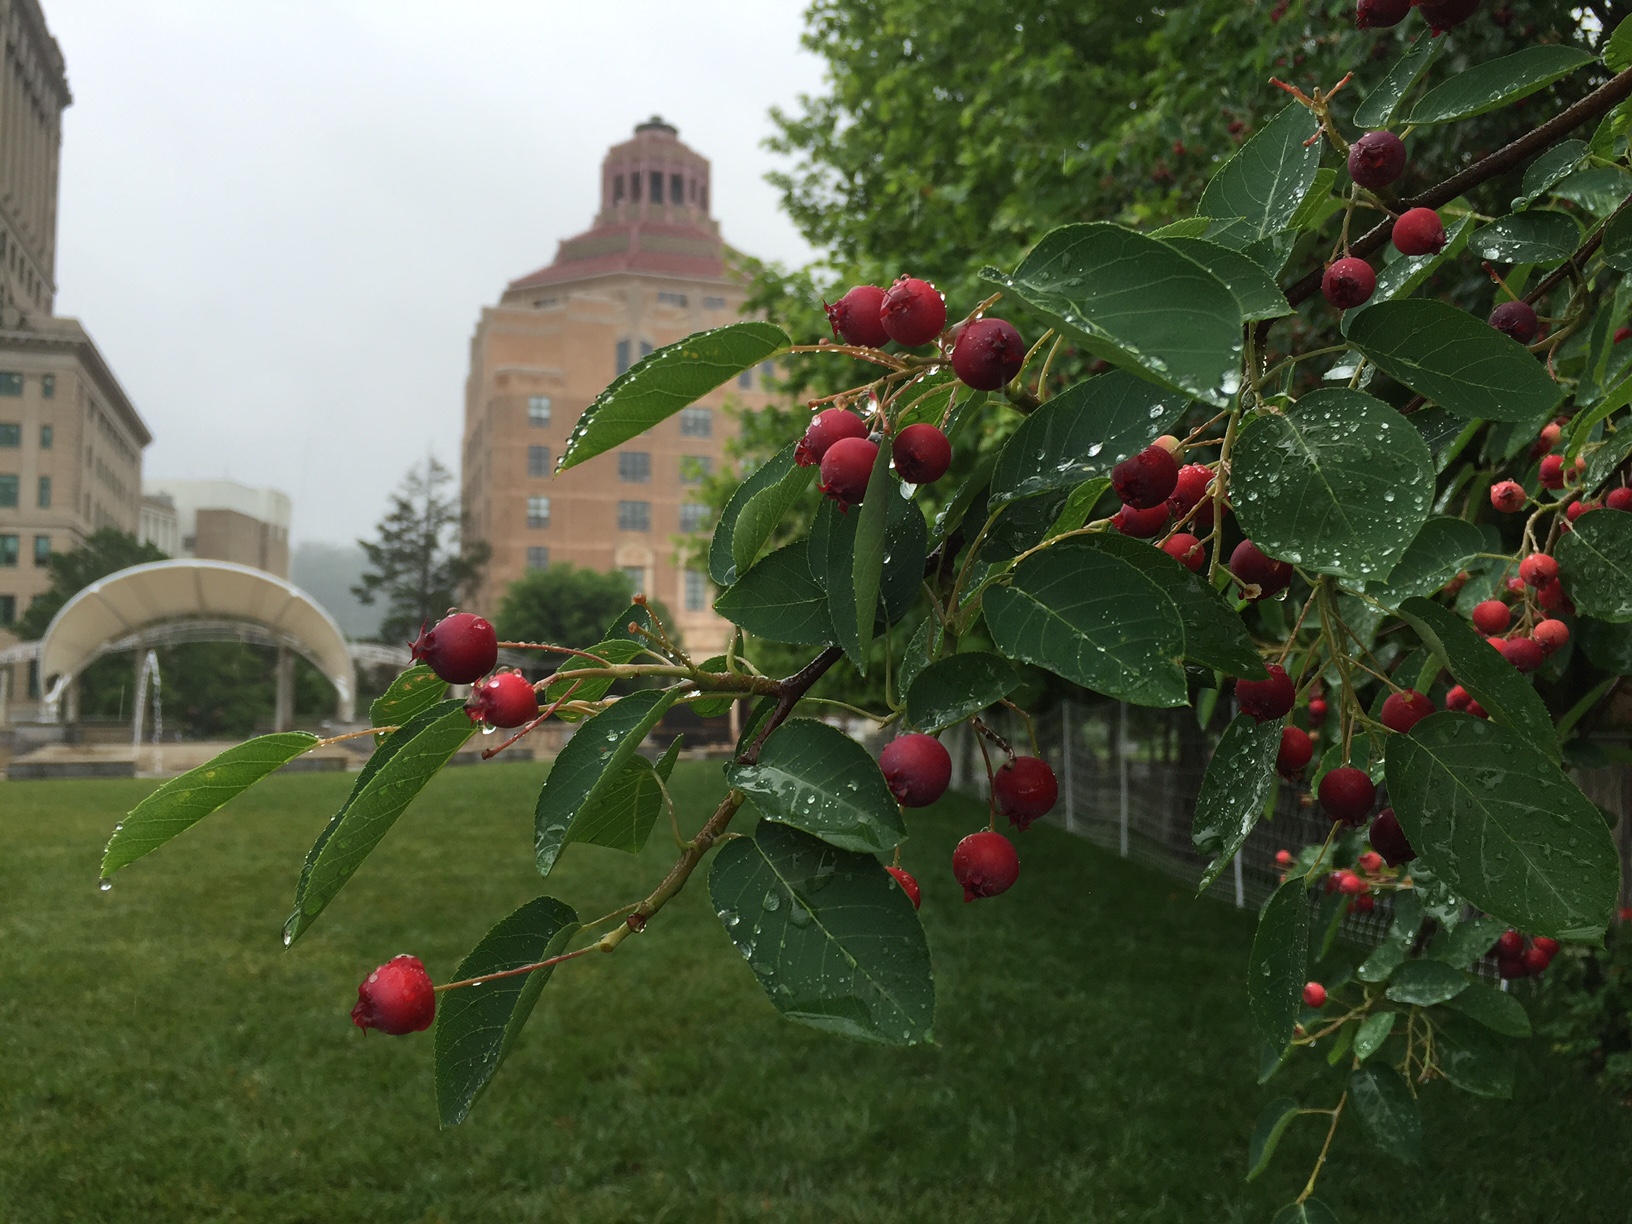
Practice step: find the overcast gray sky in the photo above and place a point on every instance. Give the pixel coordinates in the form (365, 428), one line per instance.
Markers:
(280, 219)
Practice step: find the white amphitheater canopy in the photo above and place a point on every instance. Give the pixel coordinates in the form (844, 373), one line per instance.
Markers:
(167, 602)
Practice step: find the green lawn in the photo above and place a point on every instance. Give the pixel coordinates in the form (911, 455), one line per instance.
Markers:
(165, 1059)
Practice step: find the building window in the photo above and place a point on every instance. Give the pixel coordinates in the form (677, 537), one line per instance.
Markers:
(48, 385)
(8, 550)
(538, 410)
(634, 186)
(546, 303)
(42, 551)
(538, 512)
(694, 469)
(767, 371)
(623, 356)
(8, 609)
(635, 467)
(11, 384)
(47, 436)
(693, 517)
(617, 189)
(697, 422)
(45, 493)
(10, 435)
(696, 591)
(657, 186)
(634, 516)
(677, 189)
(713, 303)
(8, 498)
(637, 577)
(671, 299)
(538, 461)
(538, 558)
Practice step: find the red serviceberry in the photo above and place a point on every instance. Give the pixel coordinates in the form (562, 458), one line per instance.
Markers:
(1550, 635)
(908, 884)
(985, 864)
(1389, 840)
(1193, 486)
(1535, 961)
(1314, 995)
(1511, 966)
(1348, 882)
(1516, 320)
(1551, 596)
(1145, 480)
(396, 998)
(825, 429)
(1266, 699)
(913, 312)
(1348, 283)
(1509, 945)
(1380, 14)
(988, 353)
(917, 768)
(1141, 524)
(1346, 795)
(1297, 750)
(846, 469)
(1457, 698)
(1623, 333)
(1552, 472)
(921, 453)
(1443, 15)
(1283, 858)
(1619, 499)
(1513, 585)
(1546, 439)
(1377, 160)
(504, 700)
(1419, 231)
(1024, 789)
(1249, 564)
(1186, 550)
(855, 317)
(1537, 569)
(1547, 947)
(461, 648)
(1317, 713)
(1371, 862)
(1477, 710)
(1522, 652)
(1363, 904)
(1508, 496)
(1402, 711)
(1492, 616)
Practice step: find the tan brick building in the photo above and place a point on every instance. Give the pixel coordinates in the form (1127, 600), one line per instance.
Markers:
(652, 270)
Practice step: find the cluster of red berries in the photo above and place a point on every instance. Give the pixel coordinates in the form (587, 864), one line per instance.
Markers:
(1155, 490)
(1515, 959)
(1441, 15)
(462, 648)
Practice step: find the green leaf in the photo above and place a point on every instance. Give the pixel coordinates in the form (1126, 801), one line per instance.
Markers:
(1598, 189)
(615, 651)
(1454, 359)
(1339, 485)
(1501, 1013)
(1255, 290)
(1503, 827)
(1137, 303)
(662, 383)
(1388, 1111)
(1606, 646)
(1617, 247)
(952, 689)
(1397, 944)
(1233, 791)
(409, 758)
(867, 559)
(1377, 111)
(1265, 181)
(816, 778)
(413, 692)
(1489, 86)
(779, 600)
(1426, 982)
(1443, 548)
(1405, 275)
(1472, 1059)
(1618, 48)
(835, 554)
(1279, 960)
(1267, 1132)
(1595, 563)
(753, 514)
(1319, 204)
(1494, 683)
(1551, 168)
(1467, 941)
(833, 941)
(1310, 1211)
(588, 795)
(182, 802)
(476, 1026)
(1605, 459)
(972, 489)
(1374, 1030)
(1078, 506)
(1094, 620)
(1542, 236)
(1082, 433)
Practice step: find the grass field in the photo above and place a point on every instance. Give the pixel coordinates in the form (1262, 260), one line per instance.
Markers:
(163, 1058)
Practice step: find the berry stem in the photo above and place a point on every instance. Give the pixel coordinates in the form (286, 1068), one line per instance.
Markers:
(351, 735)
(1325, 1148)
(517, 972)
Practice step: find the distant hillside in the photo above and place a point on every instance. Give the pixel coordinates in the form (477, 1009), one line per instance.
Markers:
(327, 573)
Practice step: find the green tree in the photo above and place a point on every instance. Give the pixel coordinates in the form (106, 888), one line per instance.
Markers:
(422, 562)
(104, 552)
(562, 604)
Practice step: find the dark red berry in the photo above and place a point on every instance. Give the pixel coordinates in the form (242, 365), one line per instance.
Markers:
(396, 998)
(1267, 699)
(1443, 15)
(1186, 550)
(1509, 945)
(1141, 524)
(921, 453)
(1492, 616)
(1402, 711)
(1379, 14)
(1508, 496)
(1523, 653)
(1348, 283)
(1249, 564)
(1419, 232)
(1389, 840)
(1145, 480)
(1550, 635)
(855, 317)
(504, 700)
(914, 312)
(461, 648)
(908, 884)
(1511, 966)
(1314, 995)
(1552, 472)
(1346, 794)
(825, 429)
(1297, 750)
(1622, 333)
(1377, 160)
(1619, 499)
(917, 768)
(1193, 486)
(1547, 947)
(1317, 713)
(846, 469)
(1350, 884)
(1024, 789)
(1535, 961)
(1551, 596)
(1538, 568)
(985, 864)
(1515, 320)
(988, 353)
(1457, 698)
(1545, 440)
(1370, 862)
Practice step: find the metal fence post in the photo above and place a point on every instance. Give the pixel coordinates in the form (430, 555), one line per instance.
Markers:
(1240, 884)
(1066, 755)
(1122, 774)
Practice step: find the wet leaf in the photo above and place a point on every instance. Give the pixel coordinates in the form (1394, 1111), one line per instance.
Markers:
(1595, 565)
(816, 778)
(1497, 83)
(952, 689)
(1443, 548)
(1267, 1132)
(1279, 961)
(1426, 982)
(1377, 111)
(1258, 190)
(1541, 236)
(1388, 1111)
(1233, 791)
(779, 600)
